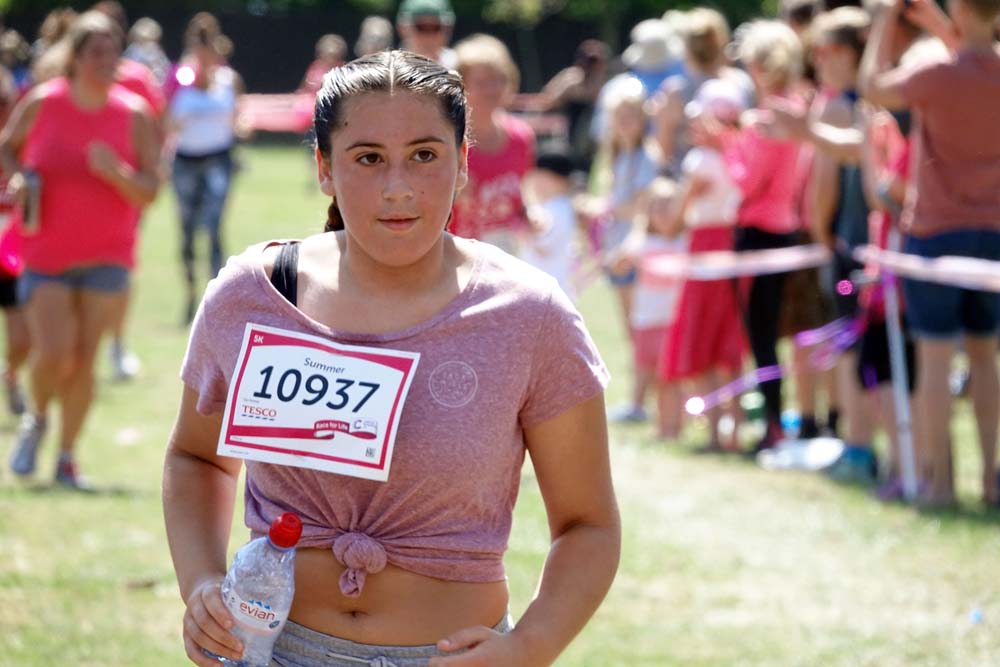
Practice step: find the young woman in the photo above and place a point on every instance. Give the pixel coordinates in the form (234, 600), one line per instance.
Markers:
(202, 113)
(93, 148)
(409, 571)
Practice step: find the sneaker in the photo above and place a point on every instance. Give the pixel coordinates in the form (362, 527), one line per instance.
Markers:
(29, 435)
(631, 414)
(15, 400)
(891, 491)
(124, 363)
(68, 476)
(857, 465)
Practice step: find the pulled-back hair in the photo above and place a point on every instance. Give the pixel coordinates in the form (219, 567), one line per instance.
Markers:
(384, 72)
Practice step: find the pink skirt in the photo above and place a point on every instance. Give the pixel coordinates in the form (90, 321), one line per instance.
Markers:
(707, 332)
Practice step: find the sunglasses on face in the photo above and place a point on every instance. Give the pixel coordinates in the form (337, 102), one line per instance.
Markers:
(428, 28)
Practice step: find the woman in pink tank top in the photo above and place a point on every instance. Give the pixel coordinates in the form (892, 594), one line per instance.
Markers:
(405, 567)
(82, 156)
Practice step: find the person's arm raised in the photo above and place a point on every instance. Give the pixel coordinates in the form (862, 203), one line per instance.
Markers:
(199, 489)
(137, 184)
(877, 81)
(570, 456)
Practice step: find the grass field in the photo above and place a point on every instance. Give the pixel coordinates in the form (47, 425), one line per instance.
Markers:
(723, 563)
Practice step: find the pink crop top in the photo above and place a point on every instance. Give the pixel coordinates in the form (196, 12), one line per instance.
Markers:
(509, 351)
(85, 221)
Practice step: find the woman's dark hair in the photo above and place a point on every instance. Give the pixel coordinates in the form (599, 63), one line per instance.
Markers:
(387, 71)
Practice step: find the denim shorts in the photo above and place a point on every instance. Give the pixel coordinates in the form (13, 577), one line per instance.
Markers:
(943, 311)
(100, 278)
(298, 646)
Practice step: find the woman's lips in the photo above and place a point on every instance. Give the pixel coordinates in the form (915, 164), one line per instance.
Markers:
(398, 224)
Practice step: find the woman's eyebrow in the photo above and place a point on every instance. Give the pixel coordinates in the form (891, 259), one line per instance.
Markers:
(429, 139)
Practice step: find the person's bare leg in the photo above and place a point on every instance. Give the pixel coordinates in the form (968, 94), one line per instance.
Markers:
(96, 312)
(668, 409)
(854, 403)
(806, 382)
(18, 345)
(984, 389)
(52, 323)
(833, 411)
(887, 417)
(932, 418)
(640, 386)
(126, 365)
(18, 340)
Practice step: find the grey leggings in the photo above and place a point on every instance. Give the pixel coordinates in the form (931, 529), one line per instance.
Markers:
(298, 646)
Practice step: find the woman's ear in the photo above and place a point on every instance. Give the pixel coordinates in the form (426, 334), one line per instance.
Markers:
(463, 167)
(324, 175)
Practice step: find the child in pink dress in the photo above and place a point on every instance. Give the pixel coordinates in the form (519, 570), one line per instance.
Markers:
(706, 344)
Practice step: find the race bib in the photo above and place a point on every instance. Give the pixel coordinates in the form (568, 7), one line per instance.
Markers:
(301, 400)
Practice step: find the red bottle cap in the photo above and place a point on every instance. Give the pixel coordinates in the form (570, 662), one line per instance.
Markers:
(285, 531)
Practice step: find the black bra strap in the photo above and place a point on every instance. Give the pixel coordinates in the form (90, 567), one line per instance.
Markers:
(285, 275)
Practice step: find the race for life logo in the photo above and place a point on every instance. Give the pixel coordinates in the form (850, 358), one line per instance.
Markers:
(453, 384)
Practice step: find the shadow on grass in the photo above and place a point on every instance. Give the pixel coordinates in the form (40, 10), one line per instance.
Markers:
(53, 489)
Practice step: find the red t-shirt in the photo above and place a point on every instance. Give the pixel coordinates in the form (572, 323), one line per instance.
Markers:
(492, 199)
(955, 183)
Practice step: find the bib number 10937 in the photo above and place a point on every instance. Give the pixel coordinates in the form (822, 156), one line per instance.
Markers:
(316, 388)
(302, 400)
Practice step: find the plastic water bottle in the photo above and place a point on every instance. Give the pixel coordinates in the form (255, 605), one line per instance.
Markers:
(258, 590)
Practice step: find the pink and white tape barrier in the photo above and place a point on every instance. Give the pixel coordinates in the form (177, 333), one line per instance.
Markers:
(721, 264)
(967, 272)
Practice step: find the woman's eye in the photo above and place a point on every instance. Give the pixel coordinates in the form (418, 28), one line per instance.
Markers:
(425, 155)
(368, 159)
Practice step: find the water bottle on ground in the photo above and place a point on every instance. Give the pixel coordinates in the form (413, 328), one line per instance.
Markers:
(258, 590)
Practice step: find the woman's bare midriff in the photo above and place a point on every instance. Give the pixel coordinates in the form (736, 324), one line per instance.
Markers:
(396, 607)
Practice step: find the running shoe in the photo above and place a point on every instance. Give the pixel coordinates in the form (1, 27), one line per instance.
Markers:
(125, 364)
(857, 465)
(29, 436)
(629, 414)
(68, 476)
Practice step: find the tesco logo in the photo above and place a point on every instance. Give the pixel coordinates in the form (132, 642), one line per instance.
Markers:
(258, 411)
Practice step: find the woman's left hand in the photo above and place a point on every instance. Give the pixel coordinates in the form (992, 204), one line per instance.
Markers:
(484, 647)
(102, 159)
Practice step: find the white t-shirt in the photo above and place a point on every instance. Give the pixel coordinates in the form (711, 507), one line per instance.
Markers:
(205, 117)
(720, 204)
(655, 305)
(554, 250)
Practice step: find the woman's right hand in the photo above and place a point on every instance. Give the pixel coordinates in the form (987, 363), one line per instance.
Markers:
(16, 189)
(207, 625)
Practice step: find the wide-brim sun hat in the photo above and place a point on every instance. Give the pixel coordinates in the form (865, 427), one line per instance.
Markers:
(654, 46)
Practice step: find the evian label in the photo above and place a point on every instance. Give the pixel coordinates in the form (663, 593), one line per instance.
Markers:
(255, 614)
